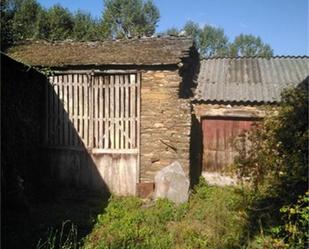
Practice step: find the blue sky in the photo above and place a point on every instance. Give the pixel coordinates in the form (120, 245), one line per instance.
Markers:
(284, 24)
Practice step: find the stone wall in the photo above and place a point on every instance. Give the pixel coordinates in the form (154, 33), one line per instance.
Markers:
(165, 123)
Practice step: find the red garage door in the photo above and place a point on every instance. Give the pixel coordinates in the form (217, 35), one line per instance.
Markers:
(218, 135)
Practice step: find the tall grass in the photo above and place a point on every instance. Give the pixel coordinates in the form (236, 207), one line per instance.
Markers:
(66, 238)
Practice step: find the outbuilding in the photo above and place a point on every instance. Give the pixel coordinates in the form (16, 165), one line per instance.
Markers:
(232, 94)
(116, 112)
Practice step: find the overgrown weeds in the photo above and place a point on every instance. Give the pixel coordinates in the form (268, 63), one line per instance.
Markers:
(275, 166)
(66, 238)
(214, 218)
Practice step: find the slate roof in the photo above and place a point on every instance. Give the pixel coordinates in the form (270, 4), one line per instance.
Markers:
(143, 51)
(253, 79)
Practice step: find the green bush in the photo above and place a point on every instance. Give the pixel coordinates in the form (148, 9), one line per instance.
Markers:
(275, 166)
(126, 223)
(277, 159)
(213, 218)
(293, 233)
(295, 230)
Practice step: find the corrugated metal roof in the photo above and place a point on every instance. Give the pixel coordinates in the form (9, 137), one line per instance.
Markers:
(143, 51)
(247, 79)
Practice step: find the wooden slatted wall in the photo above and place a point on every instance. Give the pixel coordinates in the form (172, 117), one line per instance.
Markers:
(103, 109)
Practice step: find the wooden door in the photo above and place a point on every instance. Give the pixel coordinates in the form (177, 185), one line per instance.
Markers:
(218, 136)
(96, 113)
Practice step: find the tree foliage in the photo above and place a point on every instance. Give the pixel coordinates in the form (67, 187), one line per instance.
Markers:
(212, 42)
(7, 14)
(60, 22)
(25, 18)
(171, 31)
(85, 27)
(249, 45)
(122, 18)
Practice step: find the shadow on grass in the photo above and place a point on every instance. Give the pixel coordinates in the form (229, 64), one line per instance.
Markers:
(24, 229)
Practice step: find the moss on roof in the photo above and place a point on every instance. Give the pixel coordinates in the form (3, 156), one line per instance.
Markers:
(143, 51)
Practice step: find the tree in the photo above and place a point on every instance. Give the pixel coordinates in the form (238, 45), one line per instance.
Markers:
(249, 45)
(171, 31)
(24, 20)
(85, 27)
(209, 40)
(193, 30)
(42, 27)
(60, 22)
(6, 24)
(129, 18)
(213, 42)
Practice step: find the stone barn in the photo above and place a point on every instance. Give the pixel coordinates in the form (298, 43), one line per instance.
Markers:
(231, 95)
(116, 112)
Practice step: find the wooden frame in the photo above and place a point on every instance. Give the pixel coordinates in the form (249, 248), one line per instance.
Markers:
(97, 112)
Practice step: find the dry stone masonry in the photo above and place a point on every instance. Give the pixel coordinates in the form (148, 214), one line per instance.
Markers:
(165, 123)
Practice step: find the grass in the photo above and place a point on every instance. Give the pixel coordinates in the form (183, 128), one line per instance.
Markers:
(214, 218)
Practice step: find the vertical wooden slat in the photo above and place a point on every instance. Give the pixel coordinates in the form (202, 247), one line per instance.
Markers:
(90, 110)
(95, 110)
(84, 103)
(127, 106)
(80, 107)
(61, 109)
(138, 121)
(116, 101)
(112, 114)
(122, 99)
(132, 107)
(96, 106)
(101, 104)
(70, 96)
(75, 111)
(66, 109)
(98, 112)
(138, 83)
(106, 111)
(67, 114)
